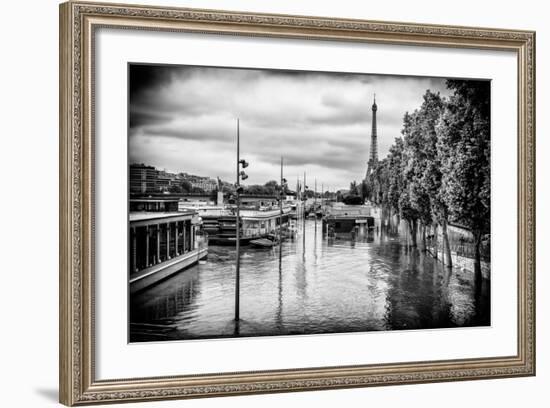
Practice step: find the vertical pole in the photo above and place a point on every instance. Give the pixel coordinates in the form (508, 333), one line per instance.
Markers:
(315, 195)
(305, 201)
(134, 250)
(281, 205)
(158, 243)
(315, 205)
(146, 246)
(177, 233)
(304, 218)
(167, 240)
(238, 234)
(322, 195)
(322, 208)
(184, 236)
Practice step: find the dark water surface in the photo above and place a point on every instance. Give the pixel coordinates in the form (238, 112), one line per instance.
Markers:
(374, 283)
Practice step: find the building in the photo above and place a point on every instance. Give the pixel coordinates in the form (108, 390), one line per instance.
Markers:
(162, 244)
(166, 180)
(373, 156)
(204, 183)
(194, 200)
(143, 179)
(259, 201)
(154, 204)
(147, 179)
(348, 220)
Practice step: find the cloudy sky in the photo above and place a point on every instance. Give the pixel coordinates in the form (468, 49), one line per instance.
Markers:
(183, 119)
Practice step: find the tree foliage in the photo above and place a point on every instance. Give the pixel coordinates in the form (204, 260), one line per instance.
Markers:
(269, 188)
(464, 147)
(439, 169)
(352, 200)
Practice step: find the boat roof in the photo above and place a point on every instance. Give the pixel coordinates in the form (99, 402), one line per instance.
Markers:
(154, 199)
(149, 216)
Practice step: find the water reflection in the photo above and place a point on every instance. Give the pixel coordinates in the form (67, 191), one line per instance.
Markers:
(312, 285)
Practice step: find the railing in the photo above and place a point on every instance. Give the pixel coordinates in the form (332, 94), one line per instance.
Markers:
(461, 246)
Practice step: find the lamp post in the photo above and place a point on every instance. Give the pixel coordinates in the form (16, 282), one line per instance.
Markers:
(241, 175)
(281, 195)
(305, 196)
(304, 218)
(322, 195)
(315, 197)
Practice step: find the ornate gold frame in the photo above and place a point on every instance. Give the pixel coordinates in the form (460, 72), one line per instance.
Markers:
(78, 20)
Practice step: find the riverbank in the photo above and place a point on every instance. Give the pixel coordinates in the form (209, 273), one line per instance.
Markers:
(311, 285)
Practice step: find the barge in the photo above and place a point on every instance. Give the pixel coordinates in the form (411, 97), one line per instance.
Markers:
(219, 223)
(163, 244)
(346, 221)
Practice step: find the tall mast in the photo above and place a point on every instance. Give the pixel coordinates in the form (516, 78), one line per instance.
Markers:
(315, 196)
(237, 231)
(281, 204)
(305, 202)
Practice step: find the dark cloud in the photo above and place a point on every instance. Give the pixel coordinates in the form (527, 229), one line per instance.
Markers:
(184, 133)
(147, 76)
(184, 119)
(141, 118)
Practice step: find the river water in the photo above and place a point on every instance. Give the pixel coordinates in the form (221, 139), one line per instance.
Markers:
(311, 285)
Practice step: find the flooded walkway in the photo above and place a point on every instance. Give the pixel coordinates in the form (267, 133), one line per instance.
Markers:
(311, 285)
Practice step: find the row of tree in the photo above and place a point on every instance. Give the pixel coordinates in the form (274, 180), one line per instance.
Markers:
(269, 188)
(438, 171)
(184, 187)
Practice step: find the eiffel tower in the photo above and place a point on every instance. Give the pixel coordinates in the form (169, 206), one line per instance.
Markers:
(373, 156)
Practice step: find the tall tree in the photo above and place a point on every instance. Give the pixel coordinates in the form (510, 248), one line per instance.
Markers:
(376, 184)
(464, 147)
(365, 190)
(353, 189)
(395, 175)
(175, 189)
(186, 186)
(410, 165)
(271, 187)
(422, 165)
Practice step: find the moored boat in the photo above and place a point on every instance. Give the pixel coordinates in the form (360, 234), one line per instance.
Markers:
(255, 224)
(348, 220)
(263, 243)
(163, 244)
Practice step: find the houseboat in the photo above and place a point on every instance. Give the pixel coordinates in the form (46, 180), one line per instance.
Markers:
(294, 210)
(260, 216)
(220, 223)
(344, 221)
(162, 244)
(153, 204)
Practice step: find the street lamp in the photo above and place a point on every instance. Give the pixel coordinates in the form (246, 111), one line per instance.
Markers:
(284, 187)
(241, 175)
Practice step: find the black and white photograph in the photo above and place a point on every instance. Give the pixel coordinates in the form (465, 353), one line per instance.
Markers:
(269, 202)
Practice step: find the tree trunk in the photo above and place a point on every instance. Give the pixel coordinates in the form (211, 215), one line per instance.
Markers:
(413, 228)
(477, 257)
(446, 246)
(395, 230)
(436, 238)
(424, 249)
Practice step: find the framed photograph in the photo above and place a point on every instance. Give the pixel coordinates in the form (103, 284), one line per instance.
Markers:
(256, 203)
